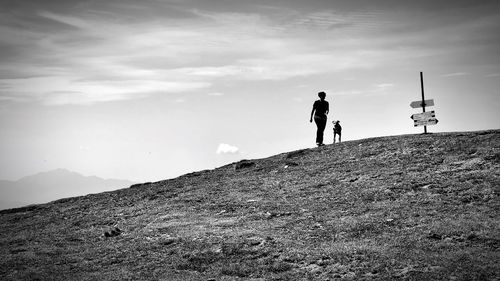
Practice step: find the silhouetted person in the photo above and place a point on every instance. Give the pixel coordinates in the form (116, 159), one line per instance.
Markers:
(337, 130)
(320, 111)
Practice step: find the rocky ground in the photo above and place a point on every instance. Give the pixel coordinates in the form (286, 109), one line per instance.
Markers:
(413, 207)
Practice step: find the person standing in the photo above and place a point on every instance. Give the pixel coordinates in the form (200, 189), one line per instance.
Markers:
(320, 111)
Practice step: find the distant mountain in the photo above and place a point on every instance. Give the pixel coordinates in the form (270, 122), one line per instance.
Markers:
(52, 185)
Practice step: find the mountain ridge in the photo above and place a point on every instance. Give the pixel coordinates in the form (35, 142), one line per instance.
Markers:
(52, 185)
(411, 207)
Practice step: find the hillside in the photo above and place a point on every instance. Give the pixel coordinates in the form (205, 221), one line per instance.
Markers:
(52, 185)
(412, 207)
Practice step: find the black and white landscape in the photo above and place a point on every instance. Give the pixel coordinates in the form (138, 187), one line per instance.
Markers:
(211, 107)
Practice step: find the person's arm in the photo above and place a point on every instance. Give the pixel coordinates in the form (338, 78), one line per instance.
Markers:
(327, 108)
(312, 112)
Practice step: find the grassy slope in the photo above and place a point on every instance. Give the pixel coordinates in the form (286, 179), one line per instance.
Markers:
(407, 207)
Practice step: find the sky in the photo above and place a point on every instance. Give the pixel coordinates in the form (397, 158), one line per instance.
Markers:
(149, 90)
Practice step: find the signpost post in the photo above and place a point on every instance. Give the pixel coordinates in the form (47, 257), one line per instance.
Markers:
(423, 99)
(424, 118)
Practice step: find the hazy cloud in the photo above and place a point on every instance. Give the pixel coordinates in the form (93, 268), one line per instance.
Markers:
(52, 90)
(377, 89)
(224, 148)
(493, 75)
(69, 20)
(456, 74)
(384, 85)
(84, 148)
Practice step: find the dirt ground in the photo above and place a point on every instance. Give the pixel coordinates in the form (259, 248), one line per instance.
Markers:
(412, 207)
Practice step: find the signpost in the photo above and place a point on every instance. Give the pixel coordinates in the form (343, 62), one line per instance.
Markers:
(424, 118)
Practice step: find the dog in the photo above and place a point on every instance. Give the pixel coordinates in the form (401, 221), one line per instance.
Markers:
(337, 130)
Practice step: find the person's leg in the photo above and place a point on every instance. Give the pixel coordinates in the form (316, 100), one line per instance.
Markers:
(321, 130)
(340, 137)
(318, 126)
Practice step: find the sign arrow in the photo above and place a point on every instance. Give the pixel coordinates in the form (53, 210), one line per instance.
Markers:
(423, 116)
(425, 122)
(418, 103)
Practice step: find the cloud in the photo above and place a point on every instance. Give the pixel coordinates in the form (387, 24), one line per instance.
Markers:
(86, 65)
(84, 148)
(124, 51)
(384, 86)
(332, 20)
(455, 74)
(69, 20)
(377, 89)
(224, 148)
(56, 91)
(493, 75)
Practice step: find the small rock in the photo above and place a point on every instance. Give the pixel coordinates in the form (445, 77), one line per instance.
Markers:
(434, 236)
(314, 268)
(322, 262)
(168, 241)
(114, 232)
(269, 238)
(317, 225)
(254, 242)
(140, 185)
(221, 212)
(244, 164)
(295, 153)
(269, 215)
(471, 236)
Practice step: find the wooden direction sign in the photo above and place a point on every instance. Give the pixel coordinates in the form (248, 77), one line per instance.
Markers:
(425, 122)
(418, 103)
(423, 116)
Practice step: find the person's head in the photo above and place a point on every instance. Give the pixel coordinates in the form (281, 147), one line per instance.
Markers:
(322, 95)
